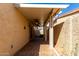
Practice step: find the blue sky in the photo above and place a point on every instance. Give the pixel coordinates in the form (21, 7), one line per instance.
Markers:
(68, 9)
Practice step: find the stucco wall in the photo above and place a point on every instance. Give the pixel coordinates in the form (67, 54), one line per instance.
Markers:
(66, 35)
(13, 36)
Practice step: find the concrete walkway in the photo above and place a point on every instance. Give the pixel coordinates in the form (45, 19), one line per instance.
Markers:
(36, 47)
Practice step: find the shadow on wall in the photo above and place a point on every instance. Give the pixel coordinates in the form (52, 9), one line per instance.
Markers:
(57, 30)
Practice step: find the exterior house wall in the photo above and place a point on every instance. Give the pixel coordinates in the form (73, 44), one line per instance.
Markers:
(13, 36)
(75, 34)
(66, 35)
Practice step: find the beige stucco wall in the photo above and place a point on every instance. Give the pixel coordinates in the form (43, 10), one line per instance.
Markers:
(66, 34)
(12, 32)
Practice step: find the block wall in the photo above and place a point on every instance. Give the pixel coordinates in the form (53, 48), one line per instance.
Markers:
(66, 35)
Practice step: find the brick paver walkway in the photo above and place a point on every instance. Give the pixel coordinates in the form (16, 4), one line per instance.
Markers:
(36, 48)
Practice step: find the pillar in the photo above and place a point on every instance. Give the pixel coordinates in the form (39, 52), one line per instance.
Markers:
(45, 33)
(51, 33)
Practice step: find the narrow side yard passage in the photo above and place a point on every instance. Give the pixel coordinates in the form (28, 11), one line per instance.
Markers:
(37, 47)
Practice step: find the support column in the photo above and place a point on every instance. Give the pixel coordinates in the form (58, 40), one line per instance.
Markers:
(51, 33)
(45, 33)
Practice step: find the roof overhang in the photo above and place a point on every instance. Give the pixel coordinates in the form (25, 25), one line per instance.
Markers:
(44, 5)
(27, 10)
